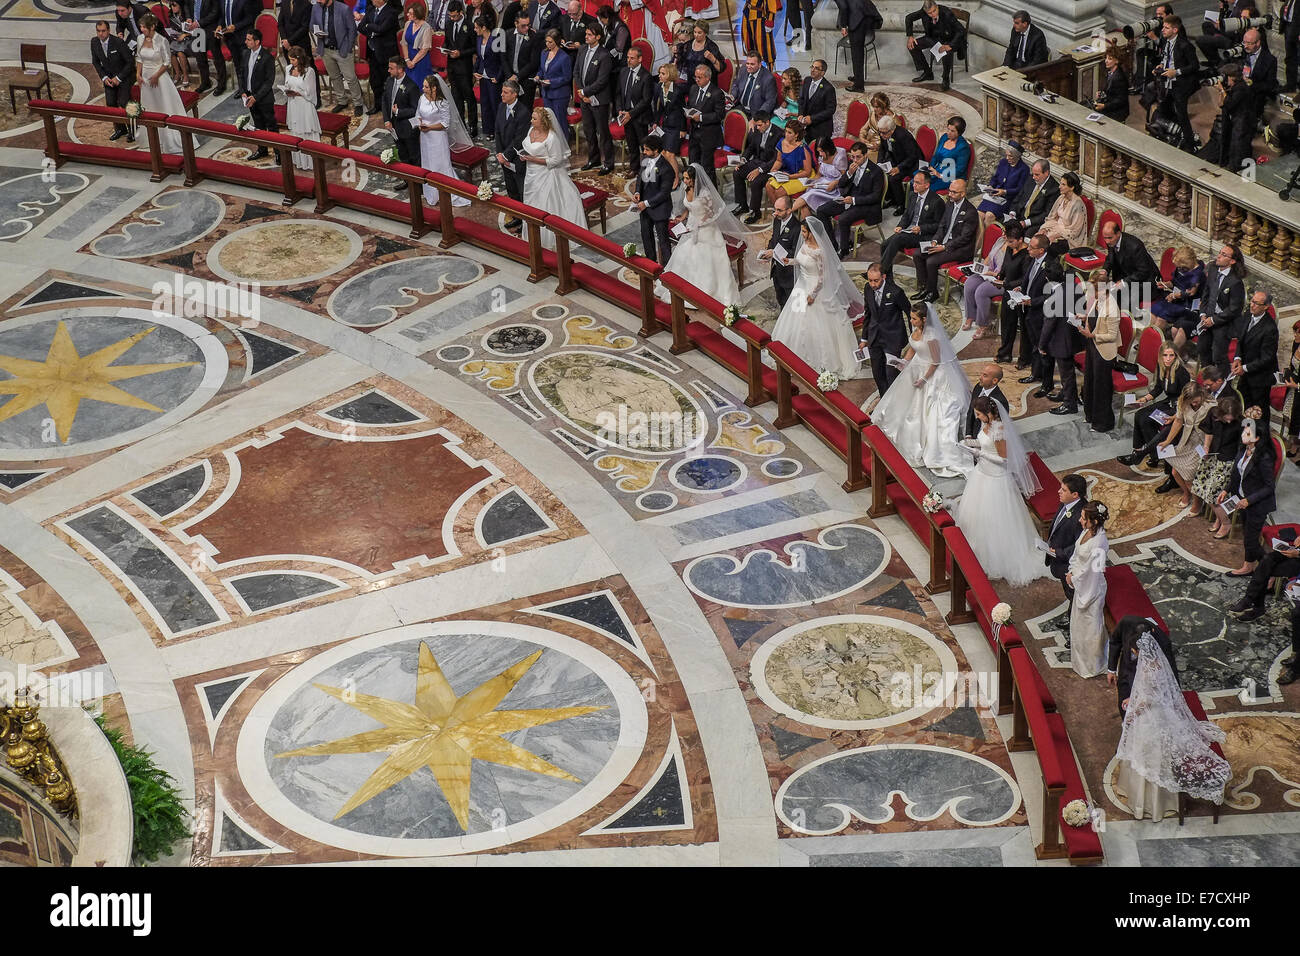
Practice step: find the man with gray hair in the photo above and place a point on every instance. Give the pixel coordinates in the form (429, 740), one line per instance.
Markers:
(513, 119)
(939, 27)
(1028, 46)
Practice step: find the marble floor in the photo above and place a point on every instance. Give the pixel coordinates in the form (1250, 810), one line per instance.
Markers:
(379, 485)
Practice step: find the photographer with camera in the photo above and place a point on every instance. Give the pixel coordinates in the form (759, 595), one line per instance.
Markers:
(1175, 74)
(1259, 73)
(1214, 39)
(1147, 50)
(1234, 127)
(1112, 101)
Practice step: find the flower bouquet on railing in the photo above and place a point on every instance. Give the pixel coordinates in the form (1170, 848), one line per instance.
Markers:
(932, 503)
(133, 110)
(485, 191)
(388, 155)
(1000, 615)
(732, 314)
(828, 381)
(629, 249)
(1076, 813)
(243, 121)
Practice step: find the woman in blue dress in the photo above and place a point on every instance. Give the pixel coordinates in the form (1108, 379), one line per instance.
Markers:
(555, 80)
(1006, 181)
(1173, 310)
(951, 156)
(416, 41)
(794, 159)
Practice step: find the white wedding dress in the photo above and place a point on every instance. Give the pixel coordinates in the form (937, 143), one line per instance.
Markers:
(923, 421)
(435, 145)
(164, 97)
(992, 515)
(700, 256)
(549, 187)
(300, 113)
(1089, 641)
(820, 333)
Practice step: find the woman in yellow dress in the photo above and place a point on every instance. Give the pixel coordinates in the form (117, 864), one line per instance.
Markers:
(794, 160)
(756, 29)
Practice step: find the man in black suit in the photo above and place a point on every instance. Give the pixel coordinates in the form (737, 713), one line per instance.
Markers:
(459, 43)
(379, 26)
(861, 188)
(884, 324)
(1252, 483)
(939, 25)
(522, 56)
(954, 242)
(750, 176)
(400, 101)
(1176, 72)
(654, 199)
(1112, 101)
(513, 120)
(918, 223)
(989, 387)
(1035, 199)
(545, 16)
(1028, 46)
(1222, 298)
(1283, 564)
(856, 19)
(899, 148)
(592, 88)
(258, 81)
(1255, 363)
(1129, 264)
(1122, 659)
(816, 103)
(294, 27)
(204, 19)
(236, 19)
(785, 233)
(1259, 69)
(1057, 344)
(128, 20)
(1065, 530)
(633, 101)
(115, 65)
(705, 107)
(1291, 34)
(573, 29)
(1040, 278)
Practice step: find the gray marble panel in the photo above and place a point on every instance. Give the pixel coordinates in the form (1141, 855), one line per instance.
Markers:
(26, 197)
(372, 409)
(375, 297)
(113, 199)
(1252, 849)
(234, 838)
(450, 317)
(750, 517)
(172, 493)
(415, 807)
(1074, 434)
(176, 599)
(177, 217)
(262, 591)
(954, 856)
(846, 557)
(511, 516)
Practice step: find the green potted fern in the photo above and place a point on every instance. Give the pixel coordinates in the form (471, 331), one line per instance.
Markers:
(161, 820)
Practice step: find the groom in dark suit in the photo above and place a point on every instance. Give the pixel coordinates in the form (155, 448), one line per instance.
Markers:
(1073, 495)
(654, 199)
(785, 233)
(512, 122)
(400, 100)
(987, 387)
(884, 326)
(1122, 661)
(115, 65)
(258, 79)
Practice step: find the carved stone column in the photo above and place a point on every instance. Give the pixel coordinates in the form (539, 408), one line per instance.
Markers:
(1293, 260)
(1183, 202)
(1281, 248)
(1072, 150)
(1219, 221)
(1058, 145)
(1248, 230)
(1165, 199)
(1264, 240)
(1118, 172)
(1133, 183)
(1234, 220)
(1030, 142)
(1150, 186)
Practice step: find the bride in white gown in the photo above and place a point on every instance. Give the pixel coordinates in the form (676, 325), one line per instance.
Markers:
(700, 256)
(815, 323)
(1089, 639)
(158, 94)
(547, 184)
(991, 512)
(440, 128)
(923, 421)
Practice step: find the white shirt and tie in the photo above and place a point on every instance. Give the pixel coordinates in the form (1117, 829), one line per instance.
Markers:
(252, 62)
(918, 206)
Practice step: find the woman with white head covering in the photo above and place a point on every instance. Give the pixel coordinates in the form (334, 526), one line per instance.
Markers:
(440, 128)
(547, 183)
(700, 256)
(991, 512)
(919, 420)
(815, 323)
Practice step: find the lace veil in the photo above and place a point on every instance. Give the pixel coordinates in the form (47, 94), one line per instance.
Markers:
(718, 214)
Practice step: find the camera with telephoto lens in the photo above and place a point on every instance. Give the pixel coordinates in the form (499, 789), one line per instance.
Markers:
(1142, 28)
(1166, 130)
(1039, 90)
(1241, 24)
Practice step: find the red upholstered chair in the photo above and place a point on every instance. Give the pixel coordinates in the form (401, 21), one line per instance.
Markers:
(1078, 264)
(1148, 356)
(363, 65)
(647, 51)
(927, 140)
(725, 75)
(437, 59)
(1091, 210)
(952, 271)
(270, 30)
(901, 120)
(1167, 265)
(734, 127)
(161, 11)
(858, 115)
(1266, 536)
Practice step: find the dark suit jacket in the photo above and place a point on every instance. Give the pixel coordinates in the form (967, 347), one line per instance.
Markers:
(1115, 95)
(1185, 62)
(510, 133)
(965, 222)
(294, 25)
(1042, 204)
(931, 213)
(858, 16)
(712, 106)
(460, 37)
(211, 11)
(571, 32)
(1222, 299)
(1048, 272)
(633, 97)
(667, 113)
(530, 55)
(119, 63)
(885, 326)
(903, 152)
(819, 107)
(380, 26)
(263, 81)
(763, 96)
(972, 424)
(1131, 262)
(1061, 538)
(1263, 78)
(788, 238)
(1035, 49)
(487, 61)
(947, 29)
(657, 195)
(1058, 336)
(595, 80)
(403, 107)
(755, 151)
(244, 14)
(1123, 653)
(129, 30)
(867, 191)
(1257, 479)
(1258, 350)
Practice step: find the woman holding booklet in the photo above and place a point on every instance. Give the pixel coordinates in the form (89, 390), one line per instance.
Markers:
(1179, 446)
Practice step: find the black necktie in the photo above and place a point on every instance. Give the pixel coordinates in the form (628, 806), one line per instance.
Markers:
(329, 20)
(749, 89)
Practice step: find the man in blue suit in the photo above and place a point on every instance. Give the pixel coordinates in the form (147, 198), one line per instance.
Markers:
(335, 32)
(754, 88)
(236, 20)
(487, 71)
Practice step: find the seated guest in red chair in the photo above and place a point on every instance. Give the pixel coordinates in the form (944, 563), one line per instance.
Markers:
(1274, 564)
(1251, 483)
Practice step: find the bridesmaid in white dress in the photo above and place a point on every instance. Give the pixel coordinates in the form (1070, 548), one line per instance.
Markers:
(700, 256)
(301, 103)
(158, 94)
(547, 183)
(1089, 641)
(440, 127)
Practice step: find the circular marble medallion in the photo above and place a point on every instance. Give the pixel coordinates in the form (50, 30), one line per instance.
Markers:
(516, 340)
(853, 671)
(712, 473)
(547, 727)
(284, 253)
(455, 353)
(656, 501)
(550, 313)
(92, 379)
(782, 467)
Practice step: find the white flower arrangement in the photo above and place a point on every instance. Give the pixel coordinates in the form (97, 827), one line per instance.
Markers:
(485, 190)
(388, 155)
(629, 249)
(1001, 613)
(133, 109)
(732, 314)
(932, 502)
(828, 381)
(1076, 813)
(243, 121)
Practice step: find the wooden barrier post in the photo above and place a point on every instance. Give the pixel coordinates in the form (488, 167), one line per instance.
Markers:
(287, 181)
(52, 140)
(323, 200)
(1052, 847)
(938, 582)
(959, 612)
(192, 175)
(857, 479)
(155, 154)
(1020, 739)
(880, 503)
(785, 416)
(564, 265)
(1006, 683)
(754, 367)
(537, 270)
(649, 319)
(681, 341)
